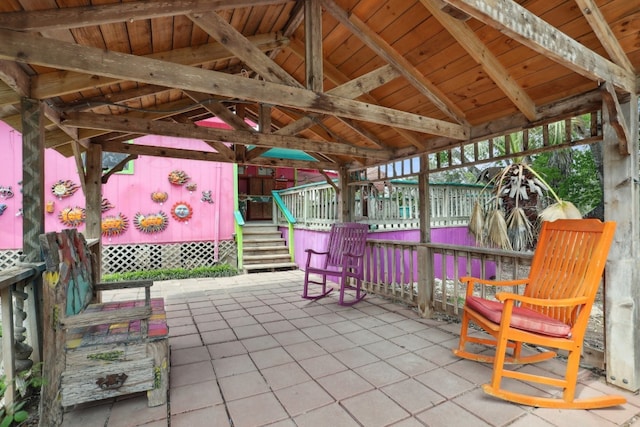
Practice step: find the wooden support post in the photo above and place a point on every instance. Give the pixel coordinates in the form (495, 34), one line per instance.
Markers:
(425, 260)
(32, 178)
(344, 197)
(313, 44)
(622, 295)
(93, 202)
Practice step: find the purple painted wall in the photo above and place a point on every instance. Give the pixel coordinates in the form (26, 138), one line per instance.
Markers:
(129, 193)
(305, 239)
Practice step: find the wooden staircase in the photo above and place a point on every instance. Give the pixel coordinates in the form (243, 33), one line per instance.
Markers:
(264, 248)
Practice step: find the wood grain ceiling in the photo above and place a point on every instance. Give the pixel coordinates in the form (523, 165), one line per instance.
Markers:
(352, 83)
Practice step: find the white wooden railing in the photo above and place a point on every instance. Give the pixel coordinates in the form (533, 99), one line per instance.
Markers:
(426, 275)
(392, 205)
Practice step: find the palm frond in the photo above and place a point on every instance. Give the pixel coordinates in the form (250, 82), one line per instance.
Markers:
(476, 223)
(560, 210)
(497, 230)
(519, 229)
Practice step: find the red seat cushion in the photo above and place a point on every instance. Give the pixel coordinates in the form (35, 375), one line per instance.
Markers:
(521, 318)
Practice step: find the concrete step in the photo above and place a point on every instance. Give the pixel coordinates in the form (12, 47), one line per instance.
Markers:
(255, 250)
(267, 258)
(275, 266)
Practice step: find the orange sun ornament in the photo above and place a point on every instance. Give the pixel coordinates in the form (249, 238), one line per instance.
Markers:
(114, 225)
(72, 217)
(151, 223)
(182, 212)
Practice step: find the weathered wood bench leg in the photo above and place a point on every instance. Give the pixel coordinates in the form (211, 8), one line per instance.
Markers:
(159, 351)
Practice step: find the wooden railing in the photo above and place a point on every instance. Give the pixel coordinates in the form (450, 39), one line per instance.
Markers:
(392, 205)
(425, 275)
(20, 331)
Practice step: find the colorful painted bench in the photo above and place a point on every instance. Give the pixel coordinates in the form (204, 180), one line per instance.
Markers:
(93, 350)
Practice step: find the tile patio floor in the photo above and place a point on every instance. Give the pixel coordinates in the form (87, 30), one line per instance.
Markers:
(248, 351)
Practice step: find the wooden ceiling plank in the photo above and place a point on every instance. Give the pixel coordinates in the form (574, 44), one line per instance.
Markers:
(393, 57)
(25, 47)
(518, 23)
(59, 83)
(602, 30)
(85, 16)
(468, 39)
(151, 127)
(148, 150)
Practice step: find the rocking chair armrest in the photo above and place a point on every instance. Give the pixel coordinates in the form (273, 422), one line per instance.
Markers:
(314, 252)
(470, 281)
(543, 302)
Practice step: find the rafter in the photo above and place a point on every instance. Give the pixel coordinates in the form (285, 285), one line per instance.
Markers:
(483, 56)
(626, 140)
(15, 78)
(393, 57)
(528, 29)
(602, 30)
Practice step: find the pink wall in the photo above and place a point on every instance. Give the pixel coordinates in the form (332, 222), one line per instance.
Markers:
(128, 193)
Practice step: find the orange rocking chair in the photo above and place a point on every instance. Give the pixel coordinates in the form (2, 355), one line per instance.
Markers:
(343, 258)
(552, 312)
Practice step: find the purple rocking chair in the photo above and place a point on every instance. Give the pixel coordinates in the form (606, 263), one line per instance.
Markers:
(343, 258)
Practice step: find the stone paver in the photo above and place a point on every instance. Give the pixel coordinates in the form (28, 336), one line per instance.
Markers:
(248, 351)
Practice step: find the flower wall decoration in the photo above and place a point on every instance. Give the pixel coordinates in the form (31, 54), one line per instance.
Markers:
(182, 212)
(62, 188)
(151, 223)
(114, 225)
(206, 197)
(159, 196)
(6, 192)
(178, 177)
(72, 217)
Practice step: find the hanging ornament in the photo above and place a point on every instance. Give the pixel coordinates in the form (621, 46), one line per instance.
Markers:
(114, 225)
(159, 196)
(3, 207)
(64, 188)
(151, 223)
(182, 212)
(206, 197)
(106, 205)
(178, 177)
(72, 217)
(50, 207)
(6, 192)
(192, 186)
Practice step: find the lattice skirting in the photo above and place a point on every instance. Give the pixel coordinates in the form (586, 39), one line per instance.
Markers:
(124, 258)
(9, 257)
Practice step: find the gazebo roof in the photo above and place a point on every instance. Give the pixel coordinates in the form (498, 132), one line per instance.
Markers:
(383, 80)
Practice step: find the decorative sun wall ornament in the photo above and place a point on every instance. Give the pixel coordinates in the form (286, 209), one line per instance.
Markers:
(50, 207)
(64, 188)
(151, 223)
(72, 217)
(106, 205)
(206, 197)
(191, 187)
(182, 212)
(114, 225)
(159, 196)
(6, 192)
(178, 177)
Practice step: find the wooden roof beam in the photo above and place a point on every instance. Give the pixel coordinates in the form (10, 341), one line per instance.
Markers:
(15, 78)
(465, 36)
(28, 48)
(156, 127)
(518, 23)
(627, 141)
(85, 16)
(389, 54)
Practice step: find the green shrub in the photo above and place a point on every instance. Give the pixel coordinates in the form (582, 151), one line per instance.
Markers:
(220, 270)
(25, 382)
